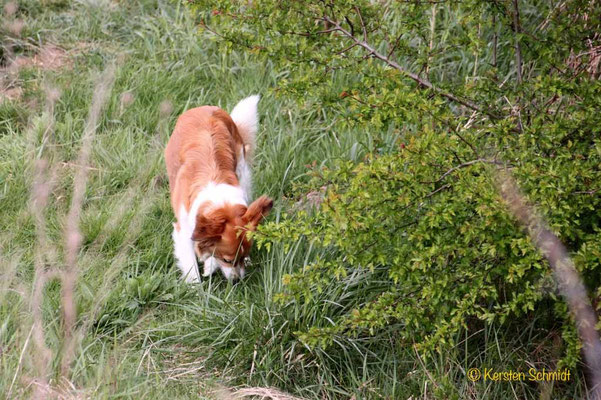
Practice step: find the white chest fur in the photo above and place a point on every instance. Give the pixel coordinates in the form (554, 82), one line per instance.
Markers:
(216, 195)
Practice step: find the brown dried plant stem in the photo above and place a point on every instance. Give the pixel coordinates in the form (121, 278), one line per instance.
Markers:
(39, 199)
(102, 91)
(263, 393)
(43, 183)
(566, 276)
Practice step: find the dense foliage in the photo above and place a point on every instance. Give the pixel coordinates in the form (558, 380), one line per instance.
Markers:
(447, 93)
(378, 176)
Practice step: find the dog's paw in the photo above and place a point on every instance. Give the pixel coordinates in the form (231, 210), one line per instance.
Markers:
(192, 278)
(232, 274)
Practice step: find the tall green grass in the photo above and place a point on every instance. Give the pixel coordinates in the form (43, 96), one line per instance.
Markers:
(148, 335)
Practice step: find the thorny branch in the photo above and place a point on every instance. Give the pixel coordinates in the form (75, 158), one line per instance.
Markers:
(466, 164)
(386, 59)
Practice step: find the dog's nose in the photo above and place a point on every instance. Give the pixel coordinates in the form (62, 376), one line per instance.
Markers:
(230, 273)
(238, 273)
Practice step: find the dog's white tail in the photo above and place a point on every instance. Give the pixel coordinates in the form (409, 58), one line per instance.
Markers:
(247, 119)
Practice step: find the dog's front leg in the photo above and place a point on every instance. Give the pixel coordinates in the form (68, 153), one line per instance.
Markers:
(210, 266)
(183, 247)
(210, 263)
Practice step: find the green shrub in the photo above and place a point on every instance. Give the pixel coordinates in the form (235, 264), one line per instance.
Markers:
(449, 92)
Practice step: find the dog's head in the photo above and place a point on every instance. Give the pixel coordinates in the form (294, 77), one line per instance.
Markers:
(222, 231)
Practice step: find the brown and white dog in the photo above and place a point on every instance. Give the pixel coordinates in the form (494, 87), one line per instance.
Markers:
(207, 160)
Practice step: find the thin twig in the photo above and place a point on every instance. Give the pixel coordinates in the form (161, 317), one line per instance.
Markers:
(19, 364)
(592, 191)
(440, 189)
(348, 21)
(363, 28)
(73, 165)
(465, 164)
(471, 146)
(424, 82)
(393, 48)
(347, 49)
(430, 377)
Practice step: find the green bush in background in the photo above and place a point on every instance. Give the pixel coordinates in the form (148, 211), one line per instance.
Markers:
(389, 268)
(448, 91)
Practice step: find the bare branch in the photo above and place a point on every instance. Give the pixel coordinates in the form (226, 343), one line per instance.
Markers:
(348, 21)
(305, 34)
(592, 191)
(363, 28)
(440, 189)
(393, 48)
(424, 82)
(347, 48)
(465, 164)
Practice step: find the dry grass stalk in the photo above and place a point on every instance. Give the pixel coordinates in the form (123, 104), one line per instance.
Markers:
(566, 276)
(40, 192)
(432, 37)
(126, 100)
(119, 261)
(41, 189)
(263, 393)
(72, 232)
(224, 393)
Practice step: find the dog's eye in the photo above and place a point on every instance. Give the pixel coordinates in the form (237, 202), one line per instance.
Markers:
(226, 260)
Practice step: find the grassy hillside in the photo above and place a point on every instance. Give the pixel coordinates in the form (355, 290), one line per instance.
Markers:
(141, 332)
(146, 334)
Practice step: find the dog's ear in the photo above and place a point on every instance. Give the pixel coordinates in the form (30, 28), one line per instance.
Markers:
(209, 228)
(257, 210)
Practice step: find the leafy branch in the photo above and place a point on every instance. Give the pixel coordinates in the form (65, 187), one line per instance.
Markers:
(336, 26)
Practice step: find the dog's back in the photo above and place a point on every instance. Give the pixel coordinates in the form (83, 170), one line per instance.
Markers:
(207, 141)
(210, 184)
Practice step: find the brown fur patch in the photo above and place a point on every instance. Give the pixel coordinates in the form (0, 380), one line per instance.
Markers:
(204, 148)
